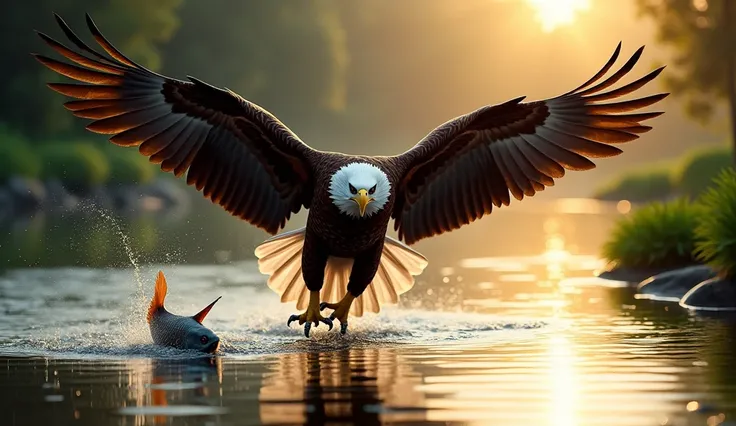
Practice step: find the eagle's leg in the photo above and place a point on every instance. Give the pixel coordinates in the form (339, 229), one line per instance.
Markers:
(341, 310)
(314, 261)
(364, 269)
(311, 316)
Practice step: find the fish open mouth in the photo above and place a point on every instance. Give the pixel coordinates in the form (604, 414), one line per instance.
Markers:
(212, 347)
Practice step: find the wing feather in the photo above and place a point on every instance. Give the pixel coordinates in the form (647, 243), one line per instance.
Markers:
(464, 167)
(237, 153)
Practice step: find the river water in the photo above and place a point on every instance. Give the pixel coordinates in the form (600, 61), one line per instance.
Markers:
(506, 326)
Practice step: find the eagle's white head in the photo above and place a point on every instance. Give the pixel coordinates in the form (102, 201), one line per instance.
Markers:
(359, 189)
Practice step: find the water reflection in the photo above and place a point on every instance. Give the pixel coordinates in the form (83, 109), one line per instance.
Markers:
(369, 384)
(597, 355)
(173, 388)
(563, 382)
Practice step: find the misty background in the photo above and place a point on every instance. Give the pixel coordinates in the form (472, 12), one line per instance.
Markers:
(370, 78)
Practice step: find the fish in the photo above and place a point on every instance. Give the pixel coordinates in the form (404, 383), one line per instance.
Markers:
(178, 331)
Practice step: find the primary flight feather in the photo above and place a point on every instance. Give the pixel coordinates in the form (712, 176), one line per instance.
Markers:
(243, 158)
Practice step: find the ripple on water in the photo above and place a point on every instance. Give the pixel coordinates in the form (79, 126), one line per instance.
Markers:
(610, 365)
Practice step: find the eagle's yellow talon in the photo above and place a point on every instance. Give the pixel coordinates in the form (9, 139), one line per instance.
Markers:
(311, 316)
(341, 310)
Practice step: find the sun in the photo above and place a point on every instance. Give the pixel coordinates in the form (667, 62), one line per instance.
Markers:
(557, 13)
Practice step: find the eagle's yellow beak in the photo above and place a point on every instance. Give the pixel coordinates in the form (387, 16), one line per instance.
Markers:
(362, 199)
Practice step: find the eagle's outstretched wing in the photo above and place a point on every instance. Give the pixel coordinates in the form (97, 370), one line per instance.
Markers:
(463, 168)
(237, 153)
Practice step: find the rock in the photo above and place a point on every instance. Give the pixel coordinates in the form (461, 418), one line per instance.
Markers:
(715, 294)
(672, 285)
(170, 192)
(125, 197)
(631, 275)
(28, 194)
(100, 197)
(57, 196)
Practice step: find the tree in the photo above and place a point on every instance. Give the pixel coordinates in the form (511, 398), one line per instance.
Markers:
(26, 104)
(703, 36)
(289, 57)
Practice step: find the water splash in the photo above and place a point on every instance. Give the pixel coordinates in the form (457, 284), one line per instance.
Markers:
(133, 321)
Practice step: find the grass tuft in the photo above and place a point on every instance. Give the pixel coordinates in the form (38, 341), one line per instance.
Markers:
(658, 235)
(716, 232)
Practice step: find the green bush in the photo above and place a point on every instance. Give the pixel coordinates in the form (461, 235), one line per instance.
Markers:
(16, 156)
(77, 165)
(716, 231)
(698, 169)
(127, 166)
(637, 186)
(658, 235)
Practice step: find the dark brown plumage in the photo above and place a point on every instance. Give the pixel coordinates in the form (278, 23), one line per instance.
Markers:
(243, 158)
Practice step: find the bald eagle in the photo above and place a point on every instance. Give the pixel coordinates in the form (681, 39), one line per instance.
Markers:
(244, 159)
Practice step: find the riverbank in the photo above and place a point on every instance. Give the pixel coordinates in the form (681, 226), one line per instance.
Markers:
(22, 196)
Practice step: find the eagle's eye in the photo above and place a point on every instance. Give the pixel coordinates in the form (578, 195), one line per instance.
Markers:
(372, 190)
(352, 189)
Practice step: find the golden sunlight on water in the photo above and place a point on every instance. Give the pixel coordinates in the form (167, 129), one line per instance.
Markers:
(564, 398)
(515, 337)
(338, 385)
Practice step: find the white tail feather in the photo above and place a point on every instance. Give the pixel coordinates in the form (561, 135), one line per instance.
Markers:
(280, 257)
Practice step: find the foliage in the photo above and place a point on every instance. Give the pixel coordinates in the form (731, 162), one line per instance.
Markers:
(716, 231)
(704, 65)
(77, 165)
(16, 157)
(128, 166)
(699, 168)
(640, 185)
(257, 46)
(656, 235)
(134, 26)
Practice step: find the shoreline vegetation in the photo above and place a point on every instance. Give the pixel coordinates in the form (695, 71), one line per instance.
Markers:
(65, 175)
(683, 249)
(689, 176)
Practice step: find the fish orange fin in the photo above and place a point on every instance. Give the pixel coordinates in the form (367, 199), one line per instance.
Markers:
(159, 294)
(199, 316)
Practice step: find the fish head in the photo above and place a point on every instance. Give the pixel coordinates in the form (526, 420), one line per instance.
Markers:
(201, 338)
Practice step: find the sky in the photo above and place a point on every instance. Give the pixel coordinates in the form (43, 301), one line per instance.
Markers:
(417, 71)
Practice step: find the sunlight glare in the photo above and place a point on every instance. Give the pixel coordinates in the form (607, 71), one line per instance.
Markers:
(556, 13)
(563, 381)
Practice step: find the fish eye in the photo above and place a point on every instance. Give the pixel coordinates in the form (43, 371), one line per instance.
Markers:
(204, 340)
(372, 190)
(352, 189)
